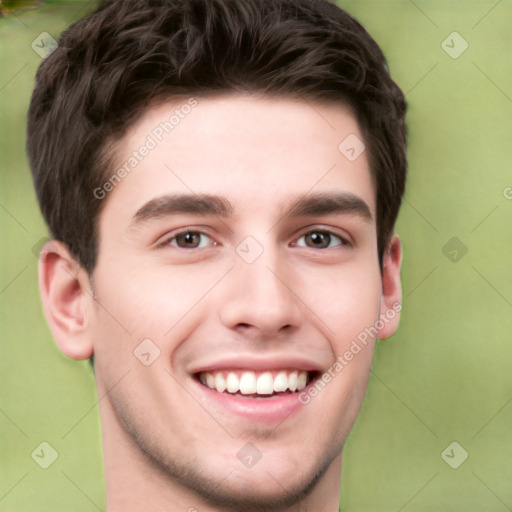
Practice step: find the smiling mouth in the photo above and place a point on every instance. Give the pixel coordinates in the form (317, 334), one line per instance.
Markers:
(251, 384)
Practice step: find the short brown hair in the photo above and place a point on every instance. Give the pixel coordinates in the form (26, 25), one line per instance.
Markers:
(109, 65)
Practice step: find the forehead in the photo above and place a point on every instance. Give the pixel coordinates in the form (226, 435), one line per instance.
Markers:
(260, 152)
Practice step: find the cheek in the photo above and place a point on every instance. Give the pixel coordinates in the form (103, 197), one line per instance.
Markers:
(344, 301)
(149, 300)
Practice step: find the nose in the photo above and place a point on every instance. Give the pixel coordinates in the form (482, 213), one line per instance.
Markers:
(259, 299)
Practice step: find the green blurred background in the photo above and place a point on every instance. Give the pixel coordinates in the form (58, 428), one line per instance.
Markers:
(444, 377)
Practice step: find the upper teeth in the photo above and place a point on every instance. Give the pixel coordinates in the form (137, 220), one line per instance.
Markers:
(260, 383)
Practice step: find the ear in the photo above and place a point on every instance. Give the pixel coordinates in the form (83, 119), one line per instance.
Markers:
(64, 287)
(391, 299)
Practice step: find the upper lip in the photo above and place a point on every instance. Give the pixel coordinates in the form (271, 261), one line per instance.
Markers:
(256, 363)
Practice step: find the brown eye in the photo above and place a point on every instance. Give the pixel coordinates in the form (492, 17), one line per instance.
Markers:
(320, 240)
(190, 240)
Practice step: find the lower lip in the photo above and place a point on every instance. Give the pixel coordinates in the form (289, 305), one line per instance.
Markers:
(265, 410)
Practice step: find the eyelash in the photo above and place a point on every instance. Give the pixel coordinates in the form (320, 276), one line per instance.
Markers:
(169, 241)
(342, 241)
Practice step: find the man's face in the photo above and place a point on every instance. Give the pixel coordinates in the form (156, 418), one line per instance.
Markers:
(243, 250)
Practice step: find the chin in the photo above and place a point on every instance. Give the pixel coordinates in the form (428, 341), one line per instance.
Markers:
(273, 483)
(260, 490)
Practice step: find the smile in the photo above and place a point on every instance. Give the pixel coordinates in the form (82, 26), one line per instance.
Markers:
(251, 383)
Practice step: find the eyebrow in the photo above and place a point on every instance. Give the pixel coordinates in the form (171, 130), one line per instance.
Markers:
(331, 203)
(187, 203)
(204, 204)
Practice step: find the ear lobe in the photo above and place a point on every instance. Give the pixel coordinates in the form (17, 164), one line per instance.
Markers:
(65, 300)
(391, 299)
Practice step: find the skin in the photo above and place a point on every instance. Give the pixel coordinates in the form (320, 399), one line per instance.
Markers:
(167, 446)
